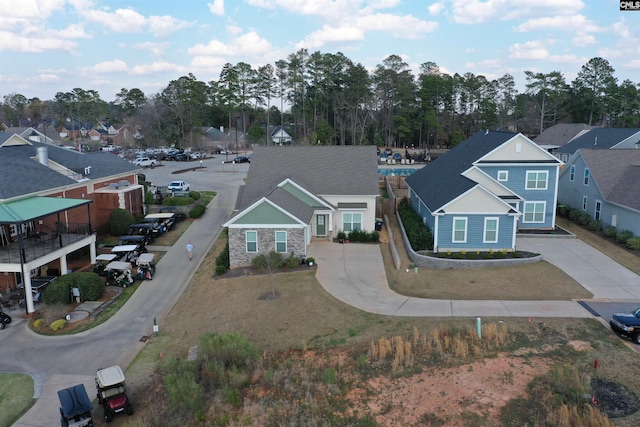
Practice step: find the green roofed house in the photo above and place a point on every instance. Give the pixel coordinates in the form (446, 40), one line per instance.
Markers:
(294, 194)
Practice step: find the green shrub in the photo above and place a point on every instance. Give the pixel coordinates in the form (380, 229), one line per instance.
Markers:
(226, 359)
(610, 231)
(120, 220)
(595, 225)
(220, 270)
(418, 234)
(186, 394)
(311, 260)
(196, 211)
(342, 235)
(177, 201)
(38, 322)
(563, 210)
(584, 218)
(623, 236)
(58, 291)
(292, 261)
(634, 243)
(222, 261)
(90, 285)
(574, 214)
(265, 263)
(194, 195)
(57, 324)
(374, 237)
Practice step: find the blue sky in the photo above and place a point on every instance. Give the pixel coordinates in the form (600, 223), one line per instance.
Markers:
(50, 46)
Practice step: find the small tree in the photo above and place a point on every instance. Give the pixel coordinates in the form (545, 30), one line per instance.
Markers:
(120, 220)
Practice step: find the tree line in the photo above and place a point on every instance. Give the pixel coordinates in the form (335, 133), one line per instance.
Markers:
(326, 98)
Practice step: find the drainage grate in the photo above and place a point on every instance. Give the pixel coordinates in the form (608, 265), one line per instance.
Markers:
(144, 338)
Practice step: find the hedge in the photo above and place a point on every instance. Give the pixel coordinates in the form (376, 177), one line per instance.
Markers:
(120, 220)
(197, 211)
(90, 285)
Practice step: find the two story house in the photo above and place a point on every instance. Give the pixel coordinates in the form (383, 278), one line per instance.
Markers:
(478, 195)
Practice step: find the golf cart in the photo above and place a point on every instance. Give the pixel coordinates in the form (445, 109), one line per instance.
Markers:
(139, 240)
(5, 319)
(75, 407)
(166, 220)
(119, 274)
(101, 263)
(127, 253)
(112, 392)
(146, 266)
(144, 229)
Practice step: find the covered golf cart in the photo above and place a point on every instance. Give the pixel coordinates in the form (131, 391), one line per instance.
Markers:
(146, 266)
(75, 407)
(119, 274)
(127, 253)
(112, 392)
(101, 263)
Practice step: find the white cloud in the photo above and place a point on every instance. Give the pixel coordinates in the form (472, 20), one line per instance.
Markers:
(245, 45)
(18, 43)
(479, 11)
(217, 7)
(329, 34)
(15, 15)
(157, 67)
(582, 40)
(130, 21)
(569, 23)
(436, 8)
(163, 26)
(115, 66)
(234, 29)
(529, 50)
(399, 26)
(155, 49)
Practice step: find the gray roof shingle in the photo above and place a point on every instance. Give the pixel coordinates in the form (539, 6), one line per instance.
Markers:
(598, 138)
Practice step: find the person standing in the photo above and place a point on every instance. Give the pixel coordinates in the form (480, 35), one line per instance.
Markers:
(189, 249)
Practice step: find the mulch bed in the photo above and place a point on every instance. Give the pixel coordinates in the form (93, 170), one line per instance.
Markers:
(250, 271)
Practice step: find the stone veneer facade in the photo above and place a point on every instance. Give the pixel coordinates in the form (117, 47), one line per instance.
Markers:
(266, 243)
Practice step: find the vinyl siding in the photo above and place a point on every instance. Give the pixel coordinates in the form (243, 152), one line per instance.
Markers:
(475, 233)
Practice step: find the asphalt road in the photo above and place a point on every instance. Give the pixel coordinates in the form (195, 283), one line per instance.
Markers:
(67, 360)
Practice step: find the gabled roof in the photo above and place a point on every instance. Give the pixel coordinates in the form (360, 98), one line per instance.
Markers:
(600, 138)
(23, 174)
(280, 131)
(444, 179)
(560, 134)
(322, 171)
(616, 173)
(28, 209)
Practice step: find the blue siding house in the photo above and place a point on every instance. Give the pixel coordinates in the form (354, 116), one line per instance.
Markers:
(477, 196)
(604, 183)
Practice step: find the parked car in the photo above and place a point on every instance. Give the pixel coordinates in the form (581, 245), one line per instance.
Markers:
(178, 186)
(241, 159)
(144, 162)
(627, 324)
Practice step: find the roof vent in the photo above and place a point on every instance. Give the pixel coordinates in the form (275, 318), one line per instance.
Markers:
(42, 155)
(123, 183)
(87, 170)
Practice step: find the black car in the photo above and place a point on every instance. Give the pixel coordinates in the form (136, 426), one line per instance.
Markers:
(241, 159)
(627, 324)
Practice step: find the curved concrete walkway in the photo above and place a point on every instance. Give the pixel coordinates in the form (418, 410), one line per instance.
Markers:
(354, 274)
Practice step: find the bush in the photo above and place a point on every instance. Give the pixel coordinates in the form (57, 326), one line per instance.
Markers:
(574, 214)
(584, 218)
(563, 210)
(595, 225)
(292, 261)
(37, 323)
(90, 285)
(265, 263)
(222, 261)
(194, 195)
(177, 201)
(220, 270)
(226, 360)
(418, 234)
(57, 324)
(120, 220)
(634, 243)
(310, 260)
(623, 236)
(610, 231)
(342, 235)
(58, 291)
(197, 211)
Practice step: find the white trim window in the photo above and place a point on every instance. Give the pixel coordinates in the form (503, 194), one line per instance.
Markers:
(534, 212)
(572, 173)
(537, 180)
(598, 210)
(251, 238)
(584, 203)
(281, 241)
(586, 176)
(459, 230)
(351, 222)
(503, 176)
(490, 230)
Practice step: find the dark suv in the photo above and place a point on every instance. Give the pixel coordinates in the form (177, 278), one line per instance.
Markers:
(627, 324)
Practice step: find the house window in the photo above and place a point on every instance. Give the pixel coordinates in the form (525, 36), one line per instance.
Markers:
(490, 230)
(586, 177)
(598, 210)
(534, 211)
(503, 175)
(584, 203)
(459, 230)
(252, 241)
(537, 180)
(572, 173)
(281, 241)
(351, 222)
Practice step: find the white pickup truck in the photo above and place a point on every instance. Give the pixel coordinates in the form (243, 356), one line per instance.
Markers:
(178, 186)
(144, 162)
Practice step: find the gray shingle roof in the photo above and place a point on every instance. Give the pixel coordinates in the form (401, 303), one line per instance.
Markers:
(616, 173)
(598, 138)
(21, 174)
(561, 133)
(441, 181)
(323, 171)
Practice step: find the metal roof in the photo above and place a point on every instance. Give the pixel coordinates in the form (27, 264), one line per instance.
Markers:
(28, 209)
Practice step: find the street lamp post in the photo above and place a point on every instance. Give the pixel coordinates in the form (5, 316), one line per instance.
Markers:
(237, 152)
